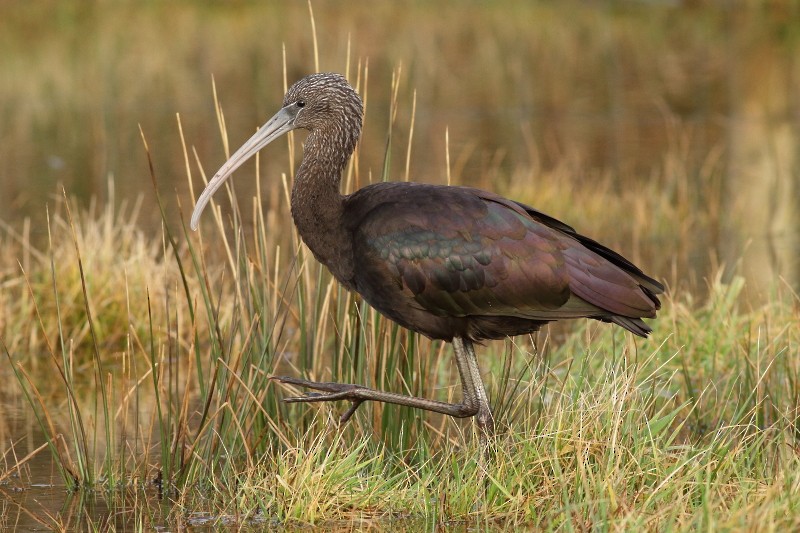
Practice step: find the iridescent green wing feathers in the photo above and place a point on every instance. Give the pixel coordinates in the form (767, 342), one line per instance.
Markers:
(464, 252)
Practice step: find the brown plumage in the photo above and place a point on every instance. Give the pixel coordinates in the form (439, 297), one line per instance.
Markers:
(452, 263)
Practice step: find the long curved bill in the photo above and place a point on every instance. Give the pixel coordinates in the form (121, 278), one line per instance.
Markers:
(279, 124)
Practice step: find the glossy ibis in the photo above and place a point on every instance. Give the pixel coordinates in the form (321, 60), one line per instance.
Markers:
(453, 263)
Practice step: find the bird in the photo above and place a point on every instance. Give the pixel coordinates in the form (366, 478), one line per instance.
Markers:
(452, 263)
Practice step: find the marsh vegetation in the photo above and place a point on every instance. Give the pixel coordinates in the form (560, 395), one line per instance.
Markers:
(138, 352)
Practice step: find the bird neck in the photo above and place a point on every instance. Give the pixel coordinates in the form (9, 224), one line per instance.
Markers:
(318, 206)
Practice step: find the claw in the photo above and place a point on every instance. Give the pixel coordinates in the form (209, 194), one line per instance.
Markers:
(335, 391)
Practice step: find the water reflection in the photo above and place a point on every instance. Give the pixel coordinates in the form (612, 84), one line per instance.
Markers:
(35, 498)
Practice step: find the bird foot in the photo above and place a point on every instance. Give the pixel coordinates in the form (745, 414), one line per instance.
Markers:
(335, 392)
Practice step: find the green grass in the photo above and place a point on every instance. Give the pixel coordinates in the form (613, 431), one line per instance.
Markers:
(620, 442)
(612, 436)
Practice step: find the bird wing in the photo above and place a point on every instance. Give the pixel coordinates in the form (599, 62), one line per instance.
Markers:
(649, 284)
(458, 251)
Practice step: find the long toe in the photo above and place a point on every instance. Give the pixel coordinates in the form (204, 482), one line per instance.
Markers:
(313, 397)
(325, 386)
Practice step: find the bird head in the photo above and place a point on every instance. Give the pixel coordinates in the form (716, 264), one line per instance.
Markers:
(324, 104)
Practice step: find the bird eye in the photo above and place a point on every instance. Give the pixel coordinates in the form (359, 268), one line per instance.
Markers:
(300, 103)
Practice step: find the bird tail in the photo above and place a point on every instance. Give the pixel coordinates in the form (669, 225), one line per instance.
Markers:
(634, 325)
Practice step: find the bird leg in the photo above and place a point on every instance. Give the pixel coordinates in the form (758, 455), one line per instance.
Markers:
(472, 387)
(474, 401)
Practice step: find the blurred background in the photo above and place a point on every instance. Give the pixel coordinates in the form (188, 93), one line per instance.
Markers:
(668, 130)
